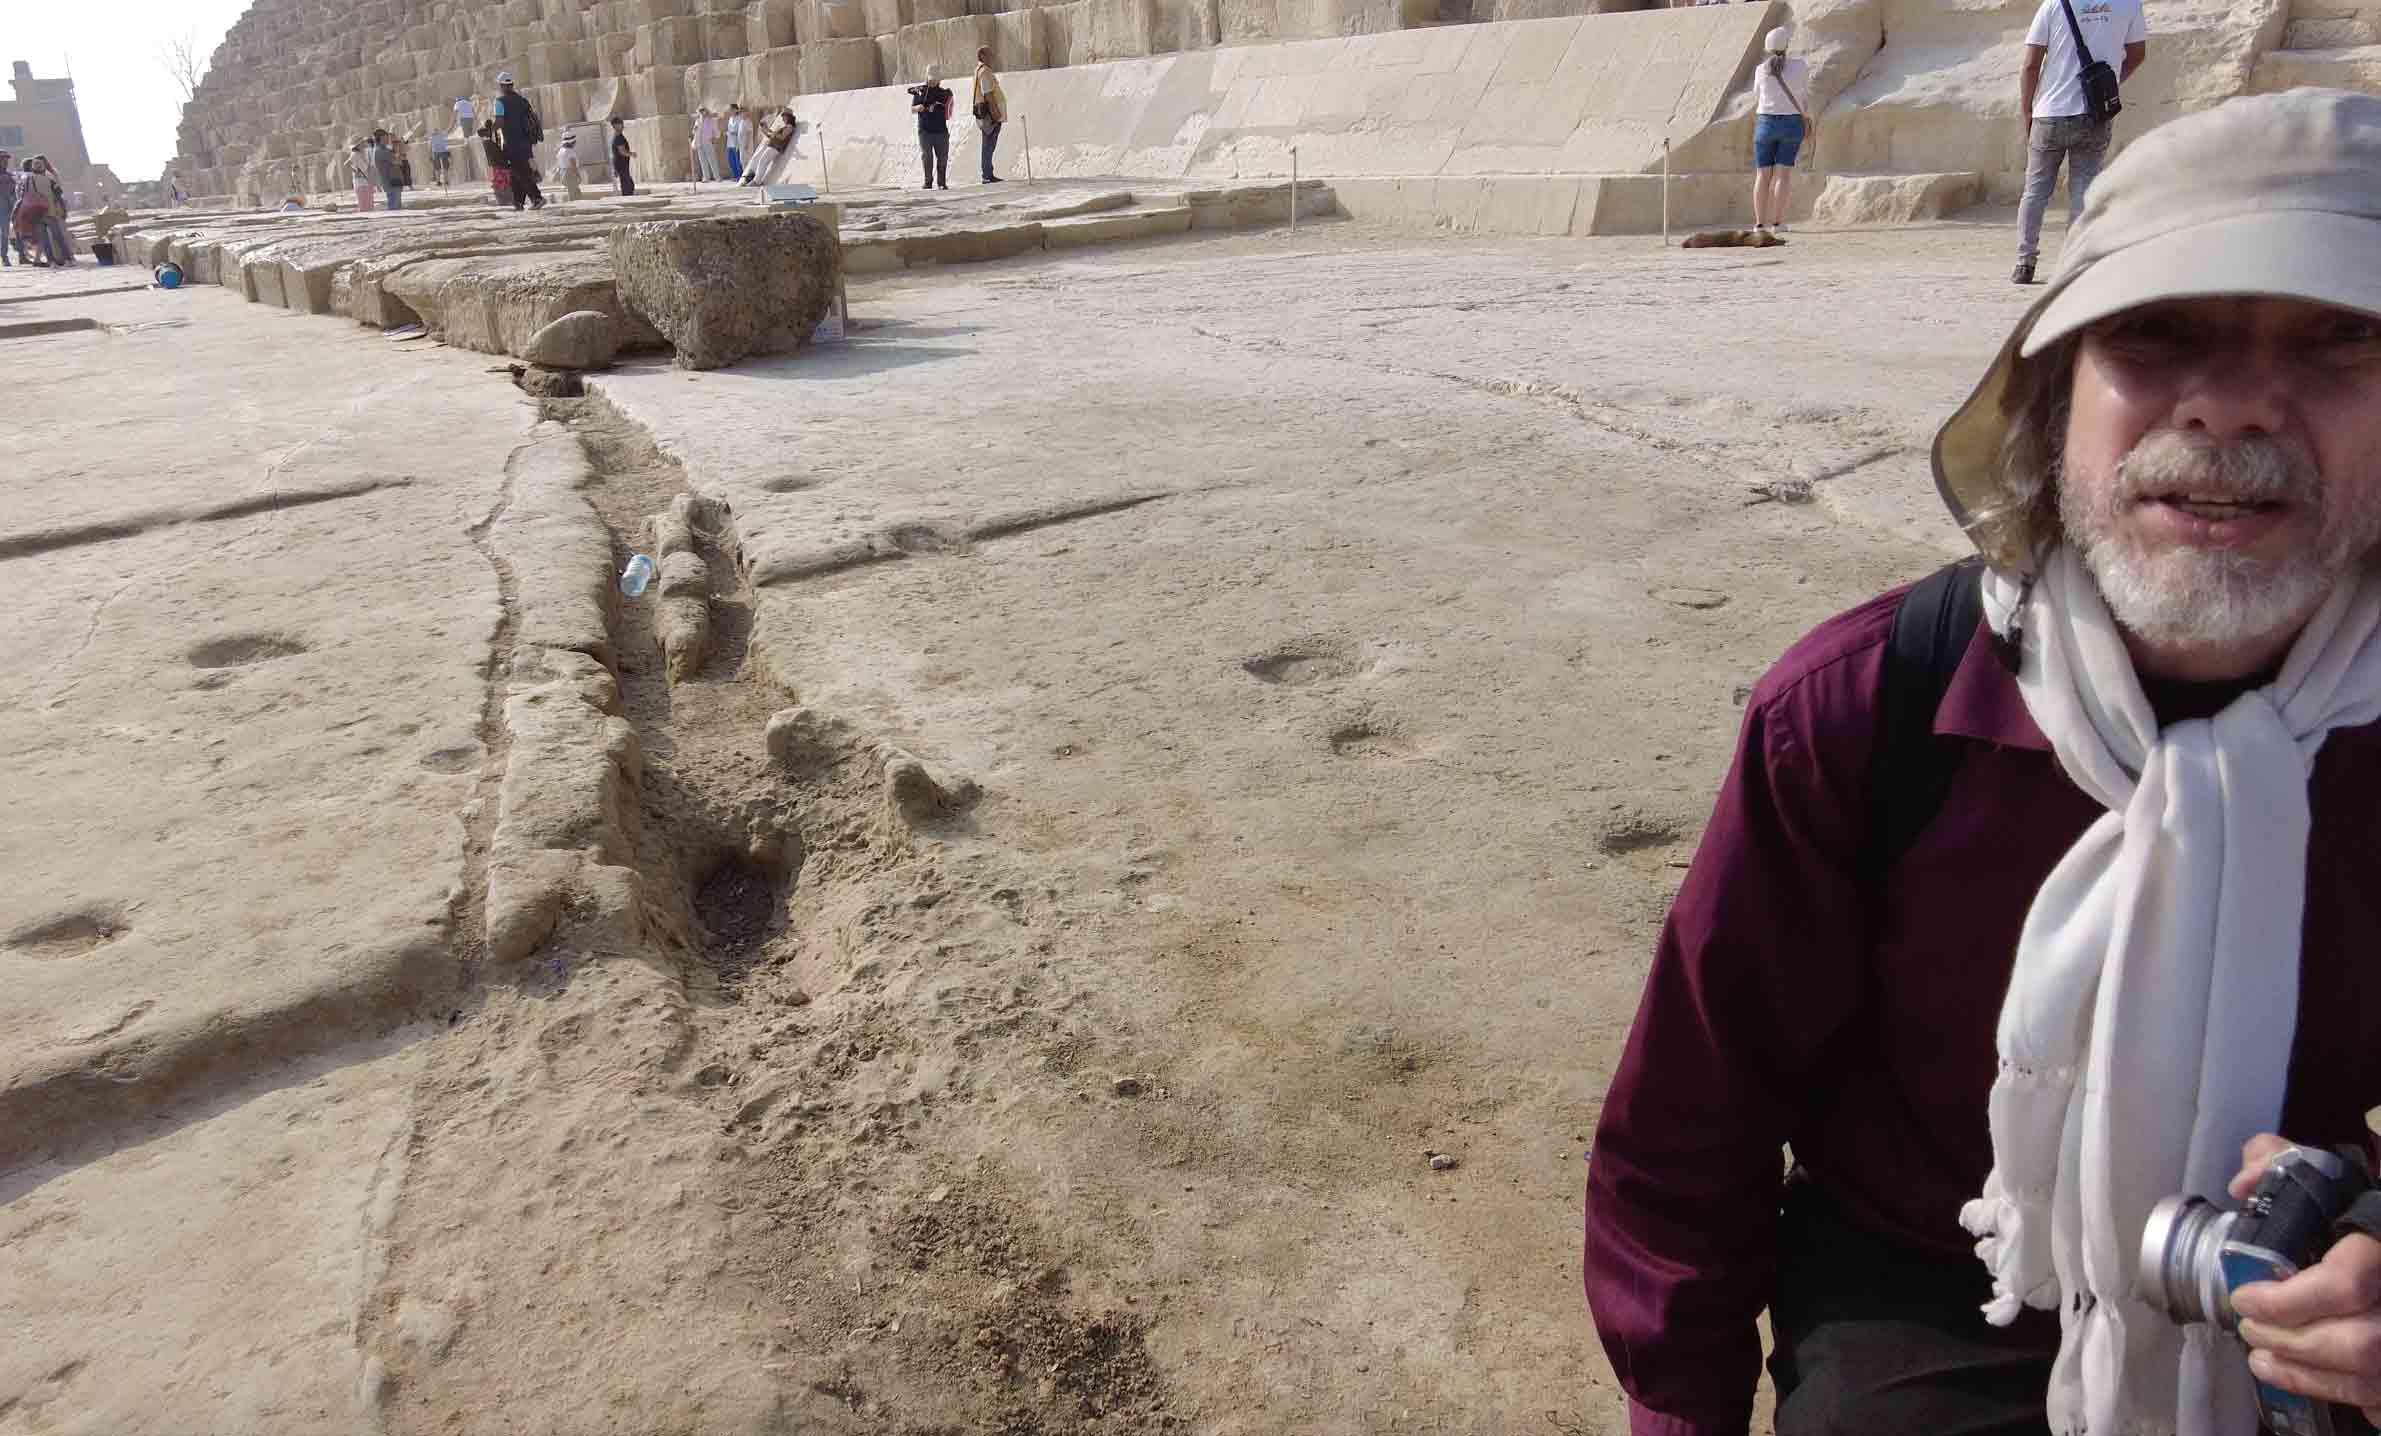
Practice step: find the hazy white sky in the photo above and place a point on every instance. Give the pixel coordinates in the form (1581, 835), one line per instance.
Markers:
(130, 107)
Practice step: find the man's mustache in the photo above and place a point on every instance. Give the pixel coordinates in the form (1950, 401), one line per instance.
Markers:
(2172, 464)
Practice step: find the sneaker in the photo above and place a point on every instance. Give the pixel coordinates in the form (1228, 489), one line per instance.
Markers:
(2024, 273)
(1780, 226)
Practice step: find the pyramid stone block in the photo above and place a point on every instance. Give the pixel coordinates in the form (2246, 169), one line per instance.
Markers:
(839, 65)
(1119, 30)
(770, 25)
(835, 20)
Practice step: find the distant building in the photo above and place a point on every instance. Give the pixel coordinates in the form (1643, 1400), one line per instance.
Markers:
(42, 120)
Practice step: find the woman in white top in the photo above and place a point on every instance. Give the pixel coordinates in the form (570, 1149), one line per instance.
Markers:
(1778, 130)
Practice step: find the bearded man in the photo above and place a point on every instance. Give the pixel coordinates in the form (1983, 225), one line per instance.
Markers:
(2052, 886)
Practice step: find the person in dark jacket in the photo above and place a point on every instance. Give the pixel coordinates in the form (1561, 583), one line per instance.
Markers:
(8, 204)
(2128, 938)
(387, 170)
(931, 103)
(623, 158)
(518, 126)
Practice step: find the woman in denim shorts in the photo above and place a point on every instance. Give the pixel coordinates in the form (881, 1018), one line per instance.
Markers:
(1778, 131)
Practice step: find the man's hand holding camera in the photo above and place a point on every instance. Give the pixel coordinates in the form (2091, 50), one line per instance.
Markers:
(2317, 1333)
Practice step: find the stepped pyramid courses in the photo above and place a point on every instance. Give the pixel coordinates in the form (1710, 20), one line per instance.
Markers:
(1530, 116)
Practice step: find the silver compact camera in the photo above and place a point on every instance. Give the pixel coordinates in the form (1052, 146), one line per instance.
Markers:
(2194, 1255)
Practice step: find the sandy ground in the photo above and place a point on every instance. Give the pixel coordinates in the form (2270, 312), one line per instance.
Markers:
(1325, 648)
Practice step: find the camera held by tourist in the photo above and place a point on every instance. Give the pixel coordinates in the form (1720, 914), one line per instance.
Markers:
(931, 103)
(2077, 53)
(2044, 890)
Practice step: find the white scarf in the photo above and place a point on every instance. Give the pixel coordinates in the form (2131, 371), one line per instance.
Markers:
(2158, 964)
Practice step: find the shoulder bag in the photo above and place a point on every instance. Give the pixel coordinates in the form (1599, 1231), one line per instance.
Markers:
(2099, 77)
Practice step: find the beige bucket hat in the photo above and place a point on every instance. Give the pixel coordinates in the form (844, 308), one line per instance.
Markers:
(2275, 195)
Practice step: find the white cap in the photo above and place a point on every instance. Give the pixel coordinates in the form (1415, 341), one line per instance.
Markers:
(504, 77)
(1779, 39)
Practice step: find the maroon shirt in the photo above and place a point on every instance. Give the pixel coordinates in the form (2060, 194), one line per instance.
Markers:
(1795, 1001)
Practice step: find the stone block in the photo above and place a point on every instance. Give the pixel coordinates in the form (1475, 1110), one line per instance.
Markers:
(722, 288)
(967, 246)
(774, 76)
(1065, 32)
(581, 339)
(606, 98)
(553, 64)
(831, 65)
(648, 12)
(660, 142)
(1018, 40)
(716, 83)
(659, 91)
(771, 25)
(675, 41)
(1113, 228)
(834, 20)
(1116, 30)
(723, 36)
(615, 54)
(887, 17)
(926, 12)
(951, 44)
(1894, 199)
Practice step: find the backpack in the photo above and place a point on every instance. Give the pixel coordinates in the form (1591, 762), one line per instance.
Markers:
(1910, 769)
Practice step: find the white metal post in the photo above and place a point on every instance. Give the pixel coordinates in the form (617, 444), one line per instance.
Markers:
(1293, 189)
(1025, 138)
(1665, 191)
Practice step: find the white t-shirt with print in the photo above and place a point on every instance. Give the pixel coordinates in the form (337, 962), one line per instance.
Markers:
(2108, 27)
(1771, 96)
(463, 113)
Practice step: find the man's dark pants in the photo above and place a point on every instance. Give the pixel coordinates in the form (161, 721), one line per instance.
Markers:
(1874, 1337)
(991, 138)
(934, 149)
(628, 183)
(524, 180)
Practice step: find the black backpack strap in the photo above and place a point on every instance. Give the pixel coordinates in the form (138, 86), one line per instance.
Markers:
(1909, 771)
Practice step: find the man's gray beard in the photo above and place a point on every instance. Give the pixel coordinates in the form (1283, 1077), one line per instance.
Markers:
(2182, 594)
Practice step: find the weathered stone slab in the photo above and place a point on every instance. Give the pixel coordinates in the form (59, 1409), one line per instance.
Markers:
(723, 288)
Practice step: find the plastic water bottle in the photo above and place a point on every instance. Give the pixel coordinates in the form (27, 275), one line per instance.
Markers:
(637, 577)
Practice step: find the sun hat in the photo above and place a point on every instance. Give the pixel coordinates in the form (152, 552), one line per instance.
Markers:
(1779, 39)
(2266, 195)
(504, 77)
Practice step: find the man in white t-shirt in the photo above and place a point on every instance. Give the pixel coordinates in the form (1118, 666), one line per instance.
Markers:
(464, 114)
(2058, 120)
